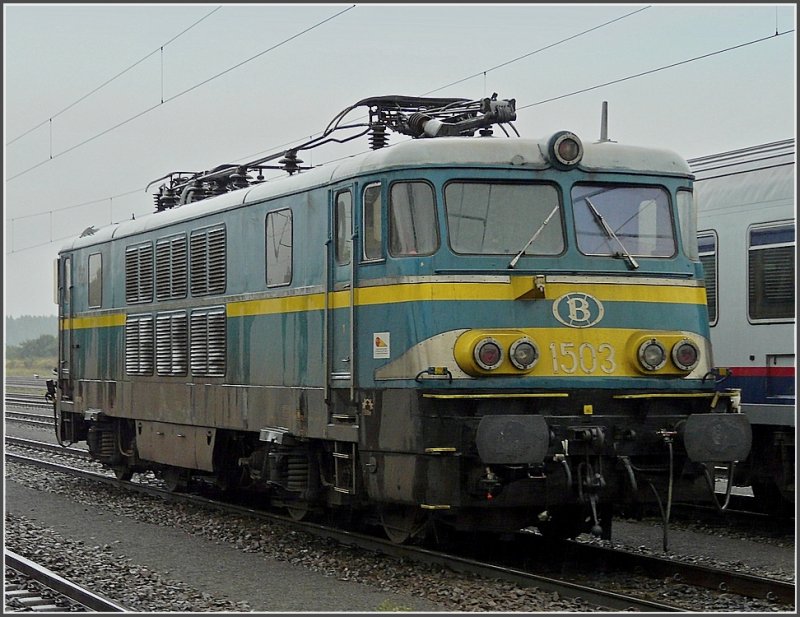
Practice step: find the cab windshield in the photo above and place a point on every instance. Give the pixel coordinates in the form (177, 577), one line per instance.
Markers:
(623, 221)
(493, 218)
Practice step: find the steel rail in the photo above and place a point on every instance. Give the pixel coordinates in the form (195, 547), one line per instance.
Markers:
(47, 447)
(59, 584)
(601, 599)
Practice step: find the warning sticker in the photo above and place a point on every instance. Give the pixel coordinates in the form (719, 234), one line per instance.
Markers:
(380, 345)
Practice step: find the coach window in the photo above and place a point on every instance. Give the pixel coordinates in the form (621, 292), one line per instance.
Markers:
(771, 252)
(95, 280)
(413, 229)
(372, 223)
(279, 248)
(707, 247)
(344, 227)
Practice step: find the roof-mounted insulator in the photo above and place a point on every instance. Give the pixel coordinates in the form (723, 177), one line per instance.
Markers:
(238, 179)
(377, 136)
(290, 162)
(166, 199)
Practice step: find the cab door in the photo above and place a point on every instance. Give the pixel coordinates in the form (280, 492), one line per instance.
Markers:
(65, 313)
(340, 296)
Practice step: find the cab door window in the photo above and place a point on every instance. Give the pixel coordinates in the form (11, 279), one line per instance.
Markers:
(344, 227)
(372, 224)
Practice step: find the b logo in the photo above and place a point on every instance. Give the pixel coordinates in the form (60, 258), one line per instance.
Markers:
(578, 310)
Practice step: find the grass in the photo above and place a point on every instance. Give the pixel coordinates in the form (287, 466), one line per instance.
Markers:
(388, 606)
(27, 368)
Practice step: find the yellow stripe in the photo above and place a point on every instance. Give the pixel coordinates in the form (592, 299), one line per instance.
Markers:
(99, 321)
(421, 292)
(521, 395)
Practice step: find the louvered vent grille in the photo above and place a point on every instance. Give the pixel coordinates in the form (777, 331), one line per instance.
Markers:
(208, 342)
(171, 268)
(139, 273)
(172, 343)
(208, 261)
(139, 345)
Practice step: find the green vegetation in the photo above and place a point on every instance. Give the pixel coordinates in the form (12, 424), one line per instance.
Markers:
(37, 356)
(387, 606)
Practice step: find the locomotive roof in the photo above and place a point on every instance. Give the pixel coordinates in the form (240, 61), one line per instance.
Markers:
(439, 152)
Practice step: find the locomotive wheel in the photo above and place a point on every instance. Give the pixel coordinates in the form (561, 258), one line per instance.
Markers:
(123, 473)
(771, 499)
(565, 522)
(176, 480)
(299, 511)
(402, 523)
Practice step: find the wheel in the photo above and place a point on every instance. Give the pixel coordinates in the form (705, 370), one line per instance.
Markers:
(299, 511)
(770, 499)
(176, 480)
(401, 523)
(564, 522)
(123, 473)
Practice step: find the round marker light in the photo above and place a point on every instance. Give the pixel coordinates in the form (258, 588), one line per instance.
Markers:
(652, 355)
(566, 149)
(685, 355)
(523, 353)
(488, 354)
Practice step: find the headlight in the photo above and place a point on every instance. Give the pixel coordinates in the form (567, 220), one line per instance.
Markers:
(685, 355)
(523, 353)
(488, 354)
(565, 149)
(652, 355)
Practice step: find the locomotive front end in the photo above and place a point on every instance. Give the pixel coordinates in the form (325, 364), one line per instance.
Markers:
(560, 352)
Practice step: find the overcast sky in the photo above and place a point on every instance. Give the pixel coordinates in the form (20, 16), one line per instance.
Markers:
(67, 167)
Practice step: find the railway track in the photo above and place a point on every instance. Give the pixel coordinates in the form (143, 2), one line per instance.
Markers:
(50, 593)
(30, 418)
(572, 552)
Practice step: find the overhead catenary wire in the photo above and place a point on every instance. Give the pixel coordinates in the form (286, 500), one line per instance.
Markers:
(108, 81)
(172, 98)
(551, 99)
(290, 143)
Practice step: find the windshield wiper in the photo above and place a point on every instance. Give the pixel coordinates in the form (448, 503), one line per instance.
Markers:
(610, 233)
(514, 261)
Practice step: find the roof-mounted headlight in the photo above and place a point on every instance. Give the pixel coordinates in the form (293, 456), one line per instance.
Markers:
(565, 150)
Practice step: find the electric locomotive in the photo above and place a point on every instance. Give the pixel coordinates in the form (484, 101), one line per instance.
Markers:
(459, 329)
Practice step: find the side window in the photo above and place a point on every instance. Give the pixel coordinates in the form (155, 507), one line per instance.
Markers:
(344, 227)
(372, 224)
(770, 272)
(413, 229)
(279, 248)
(95, 280)
(707, 247)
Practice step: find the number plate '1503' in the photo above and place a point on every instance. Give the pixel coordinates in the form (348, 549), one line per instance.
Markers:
(584, 358)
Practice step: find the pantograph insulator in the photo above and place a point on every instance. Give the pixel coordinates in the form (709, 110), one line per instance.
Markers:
(290, 162)
(377, 136)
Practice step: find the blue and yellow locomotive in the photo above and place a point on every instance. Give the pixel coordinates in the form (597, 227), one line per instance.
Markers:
(486, 332)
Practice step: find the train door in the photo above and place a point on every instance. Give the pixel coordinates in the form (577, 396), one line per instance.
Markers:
(340, 304)
(65, 344)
